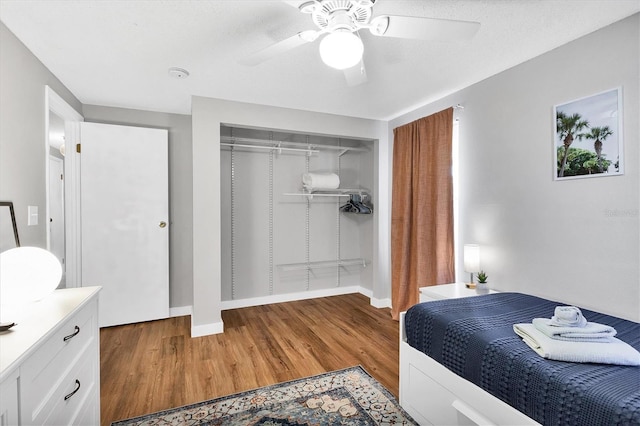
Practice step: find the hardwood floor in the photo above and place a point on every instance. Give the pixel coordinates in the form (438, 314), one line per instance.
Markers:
(156, 365)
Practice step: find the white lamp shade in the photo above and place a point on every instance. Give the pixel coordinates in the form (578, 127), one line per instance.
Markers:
(341, 49)
(27, 274)
(471, 258)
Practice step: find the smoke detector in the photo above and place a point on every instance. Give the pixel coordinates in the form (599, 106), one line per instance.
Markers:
(179, 73)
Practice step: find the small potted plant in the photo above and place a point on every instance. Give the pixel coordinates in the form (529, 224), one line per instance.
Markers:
(482, 286)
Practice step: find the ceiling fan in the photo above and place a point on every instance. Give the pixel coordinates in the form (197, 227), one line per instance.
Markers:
(339, 22)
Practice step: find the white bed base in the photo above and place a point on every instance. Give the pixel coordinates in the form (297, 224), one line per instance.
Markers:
(434, 395)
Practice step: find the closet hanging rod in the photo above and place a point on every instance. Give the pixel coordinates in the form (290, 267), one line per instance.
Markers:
(311, 194)
(237, 145)
(298, 144)
(340, 192)
(323, 264)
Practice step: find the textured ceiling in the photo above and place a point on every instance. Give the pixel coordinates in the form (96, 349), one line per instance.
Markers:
(117, 53)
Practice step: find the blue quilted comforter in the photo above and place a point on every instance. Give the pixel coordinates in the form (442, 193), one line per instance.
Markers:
(474, 338)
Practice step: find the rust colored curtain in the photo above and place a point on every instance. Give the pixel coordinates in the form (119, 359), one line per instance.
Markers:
(422, 209)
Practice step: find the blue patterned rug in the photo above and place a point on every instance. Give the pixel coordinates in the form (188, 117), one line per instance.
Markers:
(345, 397)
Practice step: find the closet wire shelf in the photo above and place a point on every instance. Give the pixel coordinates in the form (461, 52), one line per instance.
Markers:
(333, 193)
(303, 266)
(280, 146)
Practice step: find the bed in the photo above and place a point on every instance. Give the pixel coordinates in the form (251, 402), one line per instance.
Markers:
(461, 363)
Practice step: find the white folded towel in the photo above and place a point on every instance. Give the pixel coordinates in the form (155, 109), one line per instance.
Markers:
(590, 332)
(614, 352)
(313, 181)
(568, 316)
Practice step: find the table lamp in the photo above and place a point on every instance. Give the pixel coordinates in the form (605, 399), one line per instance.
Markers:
(27, 274)
(471, 262)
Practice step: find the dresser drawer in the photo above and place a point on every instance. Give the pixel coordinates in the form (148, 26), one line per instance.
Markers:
(63, 353)
(90, 413)
(69, 399)
(9, 400)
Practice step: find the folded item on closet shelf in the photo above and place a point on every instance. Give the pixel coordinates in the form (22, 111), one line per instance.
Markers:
(568, 316)
(614, 352)
(320, 181)
(591, 332)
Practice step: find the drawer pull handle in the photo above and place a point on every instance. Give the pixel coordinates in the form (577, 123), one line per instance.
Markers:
(71, 336)
(66, 397)
(471, 414)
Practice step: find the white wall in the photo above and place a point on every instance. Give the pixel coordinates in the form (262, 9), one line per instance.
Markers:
(22, 134)
(180, 189)
(575, 241)
(208, 115)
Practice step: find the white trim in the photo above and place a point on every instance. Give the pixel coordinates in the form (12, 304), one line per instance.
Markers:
(47, 154)
(375, 302)
(59, 106)
(365, 292)
(56, 104)
(53, 159)
(206, 329)
(180, 311)
(381, 303)
(73, 224)
(290, 297)
(455, 172)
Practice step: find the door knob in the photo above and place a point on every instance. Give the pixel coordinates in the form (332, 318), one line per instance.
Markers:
(163, 224)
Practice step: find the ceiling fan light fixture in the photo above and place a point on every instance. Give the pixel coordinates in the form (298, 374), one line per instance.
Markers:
(341, 49)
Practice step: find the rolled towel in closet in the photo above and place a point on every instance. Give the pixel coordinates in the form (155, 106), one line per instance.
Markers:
(313, 181)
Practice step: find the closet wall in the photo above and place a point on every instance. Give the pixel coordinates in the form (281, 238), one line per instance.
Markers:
(278, 244)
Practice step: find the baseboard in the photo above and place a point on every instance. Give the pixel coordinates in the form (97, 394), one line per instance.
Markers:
(380, 303)
(280, 298)
(218, 327)
(180, 311)
(206, 329)
(365, 292)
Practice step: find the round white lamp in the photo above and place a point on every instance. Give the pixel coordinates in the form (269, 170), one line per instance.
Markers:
(27, 274)
(341, 49)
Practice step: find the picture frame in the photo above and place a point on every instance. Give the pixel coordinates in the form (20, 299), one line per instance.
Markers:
(8, 226)
(588, 140)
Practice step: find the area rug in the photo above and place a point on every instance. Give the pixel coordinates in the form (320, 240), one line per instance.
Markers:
(345, 397)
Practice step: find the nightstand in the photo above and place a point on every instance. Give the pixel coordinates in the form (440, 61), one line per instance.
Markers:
(447, 291)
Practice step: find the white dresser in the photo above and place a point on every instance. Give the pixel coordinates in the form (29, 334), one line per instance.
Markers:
(50, 361)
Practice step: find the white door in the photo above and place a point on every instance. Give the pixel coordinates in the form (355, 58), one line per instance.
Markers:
(124, 215)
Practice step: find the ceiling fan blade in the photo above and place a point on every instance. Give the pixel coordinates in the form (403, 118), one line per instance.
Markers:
(356, 75)
(279, 48)
(423, 28)
(293, 3)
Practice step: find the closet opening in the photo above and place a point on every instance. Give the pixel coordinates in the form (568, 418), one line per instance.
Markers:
(296, 215)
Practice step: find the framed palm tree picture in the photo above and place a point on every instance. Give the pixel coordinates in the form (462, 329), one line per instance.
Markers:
(588, 136)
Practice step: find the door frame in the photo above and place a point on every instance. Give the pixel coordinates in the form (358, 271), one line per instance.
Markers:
(56, 205)
(56, 104)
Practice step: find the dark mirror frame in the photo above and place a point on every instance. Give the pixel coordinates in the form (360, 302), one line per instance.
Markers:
(13, 219)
